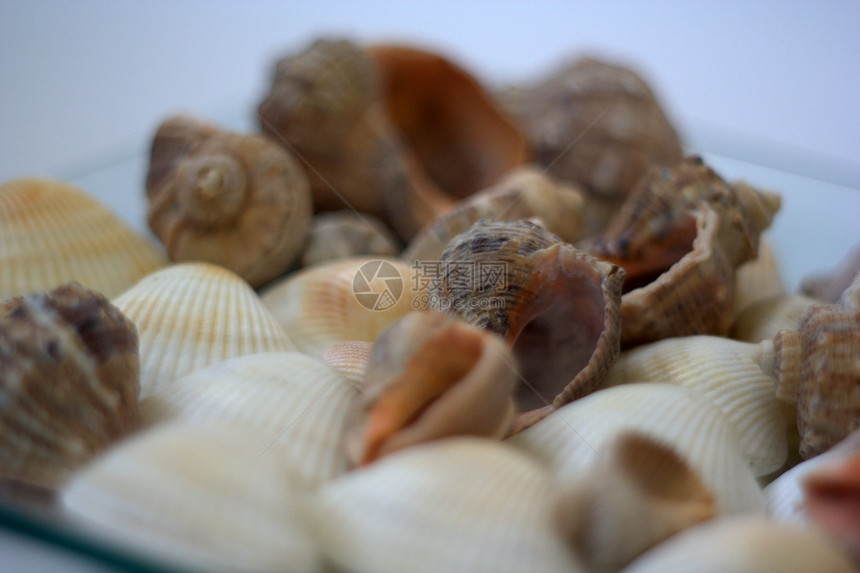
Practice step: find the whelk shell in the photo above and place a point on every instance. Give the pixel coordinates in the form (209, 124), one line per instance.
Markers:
(430, 376)
(236, 200)
(556, 306)
(200, 497)
(69, 375)
(52, 233)
(191, 315)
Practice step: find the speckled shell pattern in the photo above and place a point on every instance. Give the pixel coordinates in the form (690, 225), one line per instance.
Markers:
(556, 306)
(236, 200)
(52, 233)
(69, 378)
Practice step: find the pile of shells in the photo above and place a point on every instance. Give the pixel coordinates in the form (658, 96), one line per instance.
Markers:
(418, 325)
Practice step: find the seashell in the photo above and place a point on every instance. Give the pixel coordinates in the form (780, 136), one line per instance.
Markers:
(828, 287)
(556, 306)
(191, 315)
(599, 125)
(763, 319)
(69, 376)
(52, 233)
(817, 366)
(350, 359)
(342, 234)
(432, 376)
(297, 401)
(744, 545)
(458, 504)
(198, 498)
(459, 140)
(680, 236)
(574, 437)
(346, 300)
(239, 201)
(757, 279)
(724, 371)
(637, 496)
(850, 297)
(522, 193)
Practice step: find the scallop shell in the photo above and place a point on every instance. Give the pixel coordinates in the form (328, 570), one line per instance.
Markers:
(817, 366)
(191, 315)
(597, 124)
(69, 375)
(239, 201)
(198, 498)
(637, 496)
(344, 234)
(556, 306)
(574, 437)
(744, 545)
(724, 371)
(350, 359)
(346, 300)
(431, 376)
(52, 233)
(459, 504)
(300, 403)
(757, 279)
(680, 236)
(763, 319)
(523, 193)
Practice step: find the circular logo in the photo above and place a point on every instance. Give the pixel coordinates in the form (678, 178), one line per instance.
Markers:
(377, 285)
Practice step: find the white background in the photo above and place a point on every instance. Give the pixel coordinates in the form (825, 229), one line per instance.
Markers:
(770, 89)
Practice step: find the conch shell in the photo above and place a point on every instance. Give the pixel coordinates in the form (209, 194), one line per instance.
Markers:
(239, 201)
(556, 306)
(431, 376)
(52, 233)
(68, 382)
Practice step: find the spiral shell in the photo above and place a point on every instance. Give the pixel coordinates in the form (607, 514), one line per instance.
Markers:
(343, 234)
(69, 375)
(191, 315)
(235, 200)
(431, 376)
(556, 306)
(52, 233)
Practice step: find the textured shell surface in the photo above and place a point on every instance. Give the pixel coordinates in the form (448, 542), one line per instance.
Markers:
(744, 545)
(342, 234)
(430, 376)
(69, 376)
(236, 200)
(191, 315)
(52, 233)
(350, 359)
(763, 319)
(522, 193)
(458, 504)
(346, 300)
(198, 497)
(298, 402)
(817, 366)
(555, 305)
(574, 437)
(724, 371)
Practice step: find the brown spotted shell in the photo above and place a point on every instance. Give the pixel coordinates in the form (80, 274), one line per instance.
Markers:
(556, 306)
(597, 124)
(817, 366)
(239, 201)
(69, 376)
(430, 376)
(680, 236)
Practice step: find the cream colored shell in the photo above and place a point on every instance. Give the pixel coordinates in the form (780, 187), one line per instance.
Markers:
(52, 233)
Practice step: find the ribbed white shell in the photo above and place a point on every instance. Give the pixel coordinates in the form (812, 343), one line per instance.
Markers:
(52, 233)
(191, 315)
(744, 545)
(722, 370)
(299, 403)
(571, 439)
(205, 497)
(317, 307)
(460, 504)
